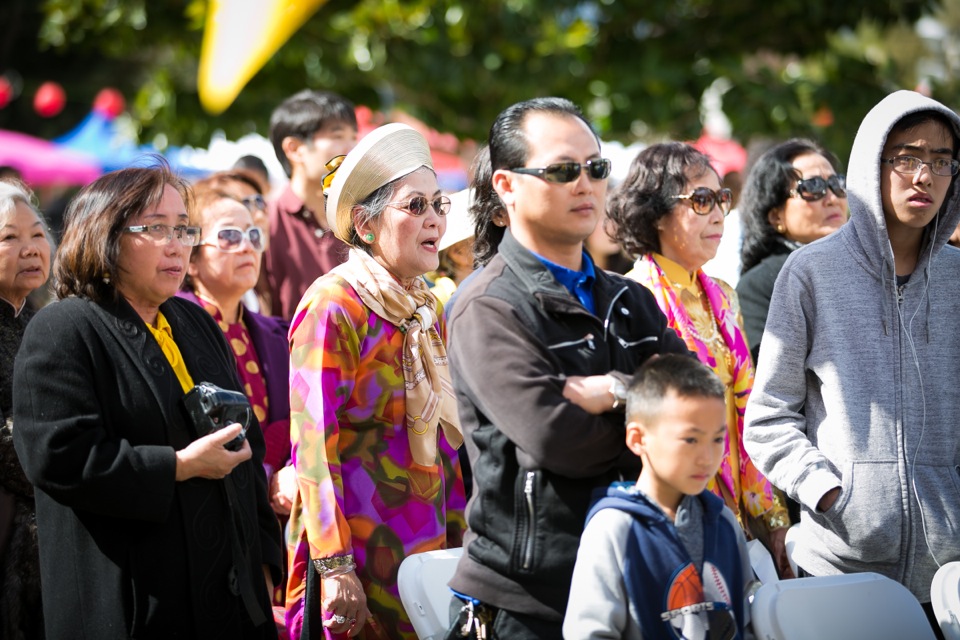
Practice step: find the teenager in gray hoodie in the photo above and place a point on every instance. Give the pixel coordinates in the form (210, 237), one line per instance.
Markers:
(855, 408)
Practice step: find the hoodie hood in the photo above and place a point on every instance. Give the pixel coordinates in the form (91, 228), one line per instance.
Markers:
(625, 496)
(863, 185)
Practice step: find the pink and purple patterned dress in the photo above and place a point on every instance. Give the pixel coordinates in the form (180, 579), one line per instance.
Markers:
(360, 491)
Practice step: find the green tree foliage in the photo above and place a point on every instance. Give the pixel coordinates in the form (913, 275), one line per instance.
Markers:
(795, 67)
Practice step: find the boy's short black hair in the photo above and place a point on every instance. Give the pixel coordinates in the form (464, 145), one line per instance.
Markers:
(685, 376)
(303, 114)
(917, 118)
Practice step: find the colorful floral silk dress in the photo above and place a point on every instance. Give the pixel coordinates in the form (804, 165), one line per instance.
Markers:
(360, 491)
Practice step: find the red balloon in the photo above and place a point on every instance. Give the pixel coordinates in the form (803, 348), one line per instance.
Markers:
(6, 92)
(49, 100)
(109, 103)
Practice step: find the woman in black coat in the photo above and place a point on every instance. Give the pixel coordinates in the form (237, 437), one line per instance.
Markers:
(148, 528)
(793, 196)
(24, 267)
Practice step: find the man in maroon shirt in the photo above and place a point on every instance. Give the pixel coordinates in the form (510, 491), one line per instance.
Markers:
(307, 130)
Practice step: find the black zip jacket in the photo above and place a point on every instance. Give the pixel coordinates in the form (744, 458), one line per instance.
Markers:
(515, 335)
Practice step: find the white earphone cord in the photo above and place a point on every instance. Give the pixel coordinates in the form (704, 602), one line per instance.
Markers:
(923, 399)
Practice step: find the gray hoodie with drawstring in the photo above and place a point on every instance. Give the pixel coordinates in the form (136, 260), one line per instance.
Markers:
(858, 384)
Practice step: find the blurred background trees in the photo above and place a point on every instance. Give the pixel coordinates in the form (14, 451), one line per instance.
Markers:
(639, 68)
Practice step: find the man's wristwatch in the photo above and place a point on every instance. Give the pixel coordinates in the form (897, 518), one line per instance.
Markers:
(619, 392)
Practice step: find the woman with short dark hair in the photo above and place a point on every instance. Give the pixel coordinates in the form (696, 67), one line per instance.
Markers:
(669, 212)
(793, 196)
(149, 525)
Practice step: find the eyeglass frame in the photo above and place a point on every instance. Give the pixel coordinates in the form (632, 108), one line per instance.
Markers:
(179, 230)
(244, 235)
(837, 177)
(954, 164)
(716, 200)
(541, 172)
(444, 201)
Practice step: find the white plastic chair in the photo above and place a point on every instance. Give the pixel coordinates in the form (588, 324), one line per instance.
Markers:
(422, 581)
(762, 562)
(945, 598)
(857, 605)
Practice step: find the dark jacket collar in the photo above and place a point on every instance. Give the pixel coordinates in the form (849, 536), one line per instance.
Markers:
(537, 280)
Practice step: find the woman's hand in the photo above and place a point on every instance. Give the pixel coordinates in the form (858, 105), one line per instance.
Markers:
(344, 599)
(206, 458)
(590, 393)
(283, 490)
(778, 549)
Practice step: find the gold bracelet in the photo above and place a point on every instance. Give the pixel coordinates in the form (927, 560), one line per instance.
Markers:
(335, 566)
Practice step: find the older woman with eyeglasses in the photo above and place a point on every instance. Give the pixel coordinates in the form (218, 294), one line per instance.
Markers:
(669, 212)
(793, 196)
(370, 396)
(223, 268)
(149, 526)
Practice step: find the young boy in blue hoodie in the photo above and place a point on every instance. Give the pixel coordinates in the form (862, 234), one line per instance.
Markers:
(664, 558)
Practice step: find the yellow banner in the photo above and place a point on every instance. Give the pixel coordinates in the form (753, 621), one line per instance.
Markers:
(240, 36)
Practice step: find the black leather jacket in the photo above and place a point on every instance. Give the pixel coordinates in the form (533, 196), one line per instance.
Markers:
(515, 336)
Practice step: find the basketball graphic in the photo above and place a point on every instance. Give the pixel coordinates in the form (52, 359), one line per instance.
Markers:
(685, 590)
(699, 609)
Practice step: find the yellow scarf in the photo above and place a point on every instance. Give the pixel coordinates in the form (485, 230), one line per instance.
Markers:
(430, 400)
(164, 336)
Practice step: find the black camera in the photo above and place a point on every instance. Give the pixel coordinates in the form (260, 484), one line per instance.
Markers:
(212, 408)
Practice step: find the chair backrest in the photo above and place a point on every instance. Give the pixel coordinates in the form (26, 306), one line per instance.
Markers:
(422, 581)
(762, 562)
(945, 598)
(858, 605)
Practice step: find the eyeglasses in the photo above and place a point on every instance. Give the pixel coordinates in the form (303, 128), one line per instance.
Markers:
(187, 235)
(254, 203)
(910, 165)
(815, 188)
(417, 205)
(564, 172)
(703, 200)
(230, 239)
(332, 165)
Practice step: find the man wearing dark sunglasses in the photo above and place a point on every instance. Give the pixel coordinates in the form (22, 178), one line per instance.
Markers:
(541, 345)
(854, 408)
(307, 130)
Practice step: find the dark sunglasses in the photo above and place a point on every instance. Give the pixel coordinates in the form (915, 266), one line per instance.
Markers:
(332, 165)
(230, 239)
(703, 200)
(418, 205)
(254, 203)
(815, 188)
(563, 172)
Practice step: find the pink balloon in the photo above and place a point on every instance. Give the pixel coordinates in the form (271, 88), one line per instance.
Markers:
(6, 92)
(49, 100)
(109, 102)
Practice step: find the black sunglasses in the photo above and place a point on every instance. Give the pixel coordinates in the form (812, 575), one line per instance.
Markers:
(815, 188)
(564, 172)
(254, 203)
(703, 200)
